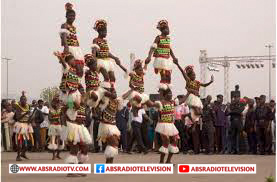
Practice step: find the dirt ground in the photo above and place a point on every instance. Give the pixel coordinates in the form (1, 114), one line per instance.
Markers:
(265, 167)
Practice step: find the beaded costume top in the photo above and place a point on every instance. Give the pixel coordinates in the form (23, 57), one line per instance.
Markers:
(109, 114)
(195, 85)
(137, 82)
(81, 115)
(92, 80)
(23, 110)
(163, 48)
(72, 39)
(70, 80)
(54, 116)
(104, 48)
(167, 112)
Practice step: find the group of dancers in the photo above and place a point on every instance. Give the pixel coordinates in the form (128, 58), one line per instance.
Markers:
(67, 121)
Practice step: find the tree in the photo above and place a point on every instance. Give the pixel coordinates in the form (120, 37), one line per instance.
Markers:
(47, 94)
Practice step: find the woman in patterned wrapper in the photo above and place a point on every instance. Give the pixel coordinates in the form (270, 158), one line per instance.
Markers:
(101, 51)
(69, 39)
(162, 53)
(165, 126)
(54, 131)
(77, 137)
(193, 87)
(22, 128)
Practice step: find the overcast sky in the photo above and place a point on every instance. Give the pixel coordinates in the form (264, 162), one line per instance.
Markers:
(222, 27)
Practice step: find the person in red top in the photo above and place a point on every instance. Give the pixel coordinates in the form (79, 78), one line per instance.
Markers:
(193, 87)
(162, 53)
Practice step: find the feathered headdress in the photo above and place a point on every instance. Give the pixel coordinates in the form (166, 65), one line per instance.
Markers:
(88, 58)
(137, 63)
(99, 24)
(161, 24)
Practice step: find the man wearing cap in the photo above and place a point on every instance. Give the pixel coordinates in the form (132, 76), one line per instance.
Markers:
(235, 111)
(208, 119)
(263, 116)
(220, 124)
(235, 92)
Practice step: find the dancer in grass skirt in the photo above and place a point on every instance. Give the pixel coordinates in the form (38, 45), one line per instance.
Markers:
(55, 128)
(193, 87)
(23, 127)
(77, 137)
(101, 51)
(69, 39)
(162, 52)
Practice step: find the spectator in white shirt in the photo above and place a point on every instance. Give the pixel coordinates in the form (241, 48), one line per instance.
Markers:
(44, 125)
(179, 112)
(137, 117)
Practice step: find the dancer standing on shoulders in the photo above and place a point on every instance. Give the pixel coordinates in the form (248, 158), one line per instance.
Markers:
(69, 39)
(193, 87)
(69, 87)
(136, 95)
(101, 51)
(162, 53)
(94, 92)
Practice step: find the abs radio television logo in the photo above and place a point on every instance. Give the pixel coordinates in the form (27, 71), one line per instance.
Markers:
(100, 168)
(133, 168)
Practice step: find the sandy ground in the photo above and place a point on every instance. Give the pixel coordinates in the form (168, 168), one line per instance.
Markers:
(265, 167)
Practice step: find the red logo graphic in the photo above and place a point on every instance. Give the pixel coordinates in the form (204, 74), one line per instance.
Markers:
(184, 168)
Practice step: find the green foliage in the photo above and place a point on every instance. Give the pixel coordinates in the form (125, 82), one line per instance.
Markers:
(47, 94)
(270, 179)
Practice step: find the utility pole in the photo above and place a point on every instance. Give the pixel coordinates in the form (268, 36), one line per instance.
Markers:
(7, 61)
(269, 46)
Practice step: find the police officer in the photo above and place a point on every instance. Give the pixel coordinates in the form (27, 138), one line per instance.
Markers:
(264, 115)
(208, 129)
(235, 111)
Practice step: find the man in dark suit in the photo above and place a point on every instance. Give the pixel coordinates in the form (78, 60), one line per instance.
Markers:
(122, 118)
